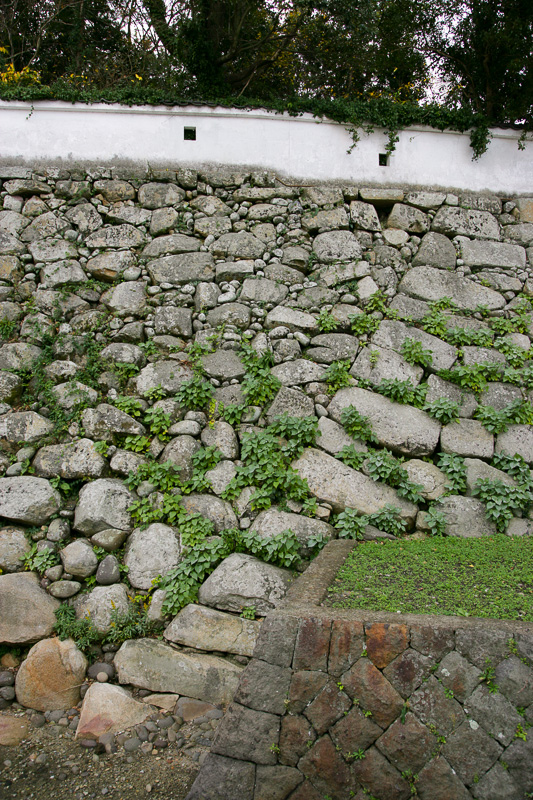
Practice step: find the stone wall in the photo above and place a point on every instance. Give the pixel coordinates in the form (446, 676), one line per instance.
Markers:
(173, 317)
(355, 705)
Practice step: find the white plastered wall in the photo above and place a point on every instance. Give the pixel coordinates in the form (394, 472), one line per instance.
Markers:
(301, 147)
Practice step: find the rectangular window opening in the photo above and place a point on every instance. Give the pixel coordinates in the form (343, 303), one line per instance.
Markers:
(189, 134)
(383, 159)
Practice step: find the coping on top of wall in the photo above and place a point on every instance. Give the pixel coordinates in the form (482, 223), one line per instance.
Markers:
(302, 147)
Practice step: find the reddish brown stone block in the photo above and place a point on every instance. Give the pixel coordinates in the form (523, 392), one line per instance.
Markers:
(431, 705)
(437, 781)
(276, 639)
(345, 647)
(295, 737)
(312, 644)
(407, 745)
(407, 672)
(304, 688)
(385, 641)
(327, 771)
(373, 691)
(327, 708)
(430, 641)
(275, 783)
(470, 752)
(355, 732)
(383, 781)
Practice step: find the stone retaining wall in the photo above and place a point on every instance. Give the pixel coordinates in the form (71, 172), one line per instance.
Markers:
(340, 705)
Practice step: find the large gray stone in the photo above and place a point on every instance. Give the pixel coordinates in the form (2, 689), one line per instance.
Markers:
(157, 195)
(61, 272)
(408, 219)
(24, 426)
(336, 246)
(392, 334)
(298, 371)
(109, 266)
(170, 245)
(26, 610)
(435, 250)
(207, 629)
(79, 558)
(329, 347)
(477, 469)
(105, 420)
(100, 603)
(150, 664)
(333, 438)
(150, 552)
(174, 321)
(427, 283)
(292, 402)
(478, 254)
(454, 221)
(238, 245)
(467, 437)
(333, 482)
(403, 429)
(121, 237)
(18, 355)
(465, 517)
(236, 314)
(72, 460)
(13, 548)
(292, 319)
(364, 216)
(325, 220)
(179, 452)
(521, 233)
(29, 500)
(182, 268)
(262, 290)
(224, 365)
(126, 298)
(271, 522)
(376, 364)
(222, 436)
(167, 374)
(431, 479)
(516, 440)
(242, 580)
(103, 504)
(51, 250)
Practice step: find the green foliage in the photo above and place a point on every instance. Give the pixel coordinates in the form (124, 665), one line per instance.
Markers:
(402, 391)
(521, 377)
(233, 413)
(487, 677)
(39, 560)
(300, 432)
(473, 377)
(165, 477)
(518, 323)
(350, 524)
(516, 356)
(502, 502)
(7, 328)
(282, 549)
(82, 631)
(124, 372)
(337, 376)
(363, 324)
(436, 521)
(159, 423)
(155, 394)
(194, 529)
(129, 405)
(196, 393)
(205, 459)
(435, 322)
(376, 303)
(517, 412)
(259, 386)
(516, 466)
(381, 465)
(443, 410)
(248, 612)
(131, 624)
(356, 425)
(352, 457)
(149, 348)
(462, 337)
(326, 321)
(487, 577)
(454, 468)
(415, 353)
(388, 519)
(137, 444)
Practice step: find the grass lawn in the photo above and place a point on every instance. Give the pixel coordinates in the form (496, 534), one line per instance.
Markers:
(489, 577)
